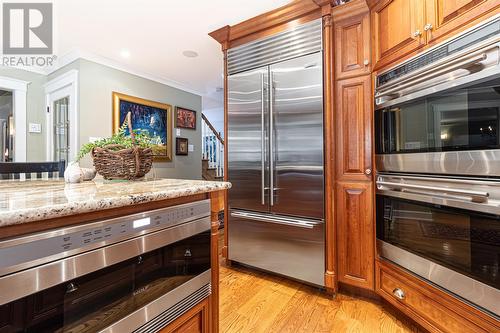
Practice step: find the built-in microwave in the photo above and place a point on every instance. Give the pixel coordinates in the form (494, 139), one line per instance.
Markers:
(439, 113)
(136, 273)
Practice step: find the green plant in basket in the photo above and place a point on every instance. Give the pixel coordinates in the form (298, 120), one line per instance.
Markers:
(122, 156)
(142, 140)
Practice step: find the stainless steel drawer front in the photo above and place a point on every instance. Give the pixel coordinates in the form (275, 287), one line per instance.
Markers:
(287, 246)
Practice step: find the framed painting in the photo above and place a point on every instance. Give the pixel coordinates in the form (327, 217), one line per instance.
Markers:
(154, 118)
(185, 118)
(181, 146)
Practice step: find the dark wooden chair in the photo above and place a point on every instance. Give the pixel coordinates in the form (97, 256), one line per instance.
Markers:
(14, 170)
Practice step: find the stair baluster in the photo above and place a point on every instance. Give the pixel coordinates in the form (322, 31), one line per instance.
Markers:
(212, 152)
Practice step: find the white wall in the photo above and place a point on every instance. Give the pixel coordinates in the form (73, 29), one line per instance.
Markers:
(213, 109)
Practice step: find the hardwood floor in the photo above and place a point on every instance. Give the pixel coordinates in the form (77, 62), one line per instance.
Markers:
(253, 301)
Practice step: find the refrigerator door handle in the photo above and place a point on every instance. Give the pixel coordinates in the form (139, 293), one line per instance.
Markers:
(262, 144)
(271, 138)
(289, 221)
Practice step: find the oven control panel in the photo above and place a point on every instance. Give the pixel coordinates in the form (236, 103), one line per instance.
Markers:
(68, 240)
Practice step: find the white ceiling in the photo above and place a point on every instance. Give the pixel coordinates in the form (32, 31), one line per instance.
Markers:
(155, 33)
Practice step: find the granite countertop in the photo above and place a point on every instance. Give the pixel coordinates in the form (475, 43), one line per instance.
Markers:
(35, 200)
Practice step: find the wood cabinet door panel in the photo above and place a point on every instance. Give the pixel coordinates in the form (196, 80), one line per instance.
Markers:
(355, 234)
(446, 16)
(354, 123)
(395, 24)
(196, 320)
(352, 46)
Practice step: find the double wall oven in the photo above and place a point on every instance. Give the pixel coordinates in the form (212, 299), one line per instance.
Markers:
(131, 274)
(437, 123)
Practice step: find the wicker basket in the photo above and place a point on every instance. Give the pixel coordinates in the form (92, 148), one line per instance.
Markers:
(118, 162)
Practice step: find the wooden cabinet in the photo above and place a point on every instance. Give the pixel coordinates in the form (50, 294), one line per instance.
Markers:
(193, 321)
(434, 309)
(355, 241)
(352, 46)
(353, 146)
(445, 16)
(400, 27)
(397, 28)
(354, 128)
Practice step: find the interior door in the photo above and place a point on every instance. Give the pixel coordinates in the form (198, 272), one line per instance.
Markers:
(59, 126)
(61, 129)
(296, 138)
(247, 143)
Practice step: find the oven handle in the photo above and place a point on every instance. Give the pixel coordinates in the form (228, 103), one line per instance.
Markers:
(439, 70)
(476, 196)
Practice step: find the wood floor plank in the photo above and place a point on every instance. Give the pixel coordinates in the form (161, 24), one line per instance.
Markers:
(255, 302)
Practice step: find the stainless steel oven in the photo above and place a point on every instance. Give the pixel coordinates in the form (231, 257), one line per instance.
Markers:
(437, 124)
(131, 274)
(440, 112)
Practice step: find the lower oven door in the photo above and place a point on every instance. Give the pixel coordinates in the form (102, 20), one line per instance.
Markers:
(141, 294)
(456, 249)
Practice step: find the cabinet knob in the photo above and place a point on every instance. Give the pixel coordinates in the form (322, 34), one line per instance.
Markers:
(399, 293)
(428, 27)
(368, 171)
(417, 33)
(366, 62)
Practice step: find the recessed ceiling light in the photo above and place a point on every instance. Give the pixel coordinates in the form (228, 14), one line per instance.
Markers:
(125, 53)
(190, 54)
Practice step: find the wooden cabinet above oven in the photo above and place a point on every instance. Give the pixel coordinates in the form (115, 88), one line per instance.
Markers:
(401, 27)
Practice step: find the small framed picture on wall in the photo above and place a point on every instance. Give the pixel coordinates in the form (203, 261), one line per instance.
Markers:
(181, 146)
(185, 118)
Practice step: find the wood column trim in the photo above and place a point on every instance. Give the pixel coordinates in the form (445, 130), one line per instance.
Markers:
(225, 253)
(329, 121)
(216, 205)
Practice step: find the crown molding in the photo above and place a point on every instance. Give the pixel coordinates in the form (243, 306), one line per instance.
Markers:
(78, 54)
(277, 17)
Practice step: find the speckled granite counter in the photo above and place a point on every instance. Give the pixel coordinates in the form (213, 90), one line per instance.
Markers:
(35, 200)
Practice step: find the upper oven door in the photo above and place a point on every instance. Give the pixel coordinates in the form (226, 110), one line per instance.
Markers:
(454, 131)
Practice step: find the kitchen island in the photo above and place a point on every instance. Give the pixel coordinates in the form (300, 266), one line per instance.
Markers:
(117, 247)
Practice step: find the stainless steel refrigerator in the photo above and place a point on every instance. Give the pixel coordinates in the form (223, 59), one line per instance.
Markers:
(275, 163)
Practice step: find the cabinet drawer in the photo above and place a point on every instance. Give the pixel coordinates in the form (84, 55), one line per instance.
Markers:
(434, 309)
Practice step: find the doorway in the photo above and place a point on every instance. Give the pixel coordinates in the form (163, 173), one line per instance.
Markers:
(62, 117)
(6, 126)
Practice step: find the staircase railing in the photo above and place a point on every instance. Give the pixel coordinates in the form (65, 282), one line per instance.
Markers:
(212, 146)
